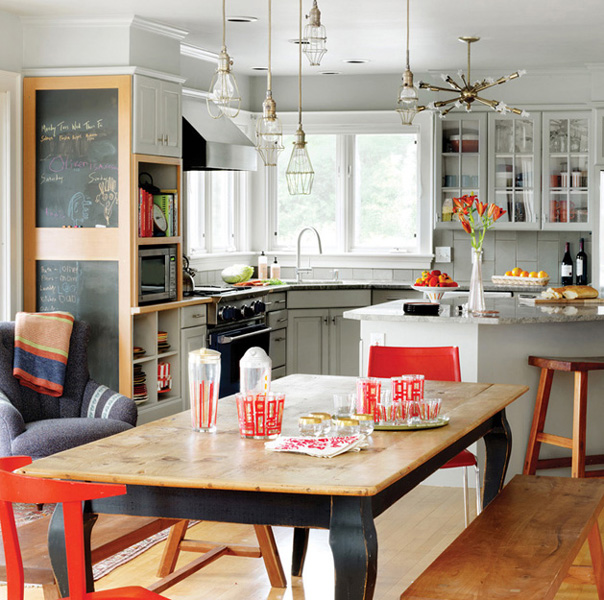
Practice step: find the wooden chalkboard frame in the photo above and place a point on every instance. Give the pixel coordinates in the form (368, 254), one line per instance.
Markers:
(82, 244)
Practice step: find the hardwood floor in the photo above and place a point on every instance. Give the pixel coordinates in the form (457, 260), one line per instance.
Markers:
(410, 534)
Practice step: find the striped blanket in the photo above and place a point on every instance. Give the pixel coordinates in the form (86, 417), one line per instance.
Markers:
(41, 349)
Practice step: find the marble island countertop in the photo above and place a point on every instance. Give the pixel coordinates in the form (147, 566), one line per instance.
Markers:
(506, 311)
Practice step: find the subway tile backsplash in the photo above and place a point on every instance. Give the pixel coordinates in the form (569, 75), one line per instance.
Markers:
(503, 250)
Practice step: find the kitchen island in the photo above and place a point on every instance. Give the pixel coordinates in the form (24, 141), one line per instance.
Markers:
(495, 349)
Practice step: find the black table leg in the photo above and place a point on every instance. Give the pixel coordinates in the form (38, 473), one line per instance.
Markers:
(299, 550)
(56, 549)
(353, 542)
(498, 444)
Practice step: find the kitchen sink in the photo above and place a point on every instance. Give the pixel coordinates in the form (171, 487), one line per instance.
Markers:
(311, 281)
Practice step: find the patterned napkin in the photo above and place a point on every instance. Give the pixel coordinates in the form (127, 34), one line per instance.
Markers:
(321, 447)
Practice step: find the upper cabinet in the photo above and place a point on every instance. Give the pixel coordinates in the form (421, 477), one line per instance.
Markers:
(514, 156)
(157, 122)
(566, 162)
(460, 161)
(535, 167)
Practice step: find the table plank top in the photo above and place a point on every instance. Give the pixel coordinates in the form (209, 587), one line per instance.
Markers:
(167, 452)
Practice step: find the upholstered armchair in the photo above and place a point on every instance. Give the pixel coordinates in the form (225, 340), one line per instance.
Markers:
(38, 425)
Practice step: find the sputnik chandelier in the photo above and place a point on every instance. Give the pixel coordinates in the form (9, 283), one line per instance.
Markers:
(224, 99)
(299, 172)
(468, 92)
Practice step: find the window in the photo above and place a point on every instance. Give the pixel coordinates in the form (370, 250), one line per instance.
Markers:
(365, 195)
(385, 191)
(213, 200)
(319, 208)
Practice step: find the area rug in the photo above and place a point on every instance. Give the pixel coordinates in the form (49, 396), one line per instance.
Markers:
(25, 513)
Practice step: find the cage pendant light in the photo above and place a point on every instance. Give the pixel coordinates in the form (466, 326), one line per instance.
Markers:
(224, 99)
(269, 133)
(299, 174)
(407, 103)
(314, 36)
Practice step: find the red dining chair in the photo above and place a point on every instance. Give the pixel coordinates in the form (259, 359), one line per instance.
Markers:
(440, 363)
(21, 488)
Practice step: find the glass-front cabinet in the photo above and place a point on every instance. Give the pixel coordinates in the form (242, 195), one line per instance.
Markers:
(461, 162)
(514, 169)
(566, 161)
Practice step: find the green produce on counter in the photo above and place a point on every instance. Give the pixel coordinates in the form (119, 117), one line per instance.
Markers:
(237, 273)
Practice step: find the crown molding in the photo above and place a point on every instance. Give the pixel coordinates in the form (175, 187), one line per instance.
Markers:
(198, 53)
(133, 21)
(115, 70)
(197, 94)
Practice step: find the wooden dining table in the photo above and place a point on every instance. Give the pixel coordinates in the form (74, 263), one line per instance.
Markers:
(172, 471)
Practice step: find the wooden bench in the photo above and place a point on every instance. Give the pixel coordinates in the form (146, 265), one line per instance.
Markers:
(110, 535)
(522, 545)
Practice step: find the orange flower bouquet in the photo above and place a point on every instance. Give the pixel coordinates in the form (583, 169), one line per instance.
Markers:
(476, 217)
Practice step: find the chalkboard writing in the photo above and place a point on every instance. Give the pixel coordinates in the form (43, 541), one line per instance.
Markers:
(88, 290)
(77, 158)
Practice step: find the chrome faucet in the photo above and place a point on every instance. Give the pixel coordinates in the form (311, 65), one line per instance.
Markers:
(299, 270)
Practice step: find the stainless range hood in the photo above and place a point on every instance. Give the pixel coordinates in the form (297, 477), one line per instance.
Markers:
(213, 144)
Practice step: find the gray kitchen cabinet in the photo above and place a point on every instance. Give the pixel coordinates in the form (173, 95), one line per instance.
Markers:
(320, 340)
(157, 118)
(276, 319)
(193, 335)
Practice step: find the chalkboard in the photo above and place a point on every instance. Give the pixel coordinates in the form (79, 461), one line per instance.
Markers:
(77, 158)
(88, 290)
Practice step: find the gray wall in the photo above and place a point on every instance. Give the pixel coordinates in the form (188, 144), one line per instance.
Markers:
(11, 43)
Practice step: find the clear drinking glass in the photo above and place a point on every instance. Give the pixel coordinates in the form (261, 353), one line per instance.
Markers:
(310, 426)
(325, 421)
(344, 404)
(204, 381)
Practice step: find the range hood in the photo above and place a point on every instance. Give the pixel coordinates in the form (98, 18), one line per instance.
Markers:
(213, 144)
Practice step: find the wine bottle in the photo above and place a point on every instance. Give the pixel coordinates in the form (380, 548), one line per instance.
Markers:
(566, 267)
(581, 265)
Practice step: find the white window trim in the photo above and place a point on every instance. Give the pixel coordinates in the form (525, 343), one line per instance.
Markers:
(11, 196)
(354, 122)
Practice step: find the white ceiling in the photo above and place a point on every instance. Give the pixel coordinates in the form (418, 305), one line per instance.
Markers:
(516, 34)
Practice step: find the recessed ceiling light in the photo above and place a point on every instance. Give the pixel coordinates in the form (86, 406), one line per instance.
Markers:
(297, 41)
(330, 73)
(259, 68)
(356, 61)
(238, 19)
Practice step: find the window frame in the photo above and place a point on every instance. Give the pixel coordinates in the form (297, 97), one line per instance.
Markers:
(349, 124)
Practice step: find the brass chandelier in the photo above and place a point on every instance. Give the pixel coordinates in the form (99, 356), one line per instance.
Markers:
(224, 99)
(468, 92)
(299, 174)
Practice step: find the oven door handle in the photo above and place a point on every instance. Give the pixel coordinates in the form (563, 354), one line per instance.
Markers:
(227, 339)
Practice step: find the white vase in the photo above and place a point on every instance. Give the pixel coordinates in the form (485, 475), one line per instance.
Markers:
(476, 298)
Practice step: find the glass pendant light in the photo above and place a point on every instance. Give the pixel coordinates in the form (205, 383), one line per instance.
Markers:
(314, 36)
(224, 99)
(299, 174)
(407, 96)
(269, 133)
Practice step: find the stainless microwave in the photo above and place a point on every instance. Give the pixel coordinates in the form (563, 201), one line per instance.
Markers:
(157, 274)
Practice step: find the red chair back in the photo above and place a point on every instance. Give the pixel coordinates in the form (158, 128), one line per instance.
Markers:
(439, 363)
(32, 490)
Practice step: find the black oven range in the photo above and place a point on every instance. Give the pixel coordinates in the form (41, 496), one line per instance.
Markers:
(236, 322)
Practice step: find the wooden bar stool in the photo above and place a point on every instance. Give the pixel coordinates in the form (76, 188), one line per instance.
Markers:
(580, 366)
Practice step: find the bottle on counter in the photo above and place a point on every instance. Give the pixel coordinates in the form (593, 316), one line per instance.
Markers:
(566, 267)
(262, 266)
(275, 270)
(581, 264)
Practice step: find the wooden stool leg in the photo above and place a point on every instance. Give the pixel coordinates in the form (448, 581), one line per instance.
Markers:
(270, 555)
(597, 558)
(541, 403)
(50, 591)
(167, 563)
(579, 424)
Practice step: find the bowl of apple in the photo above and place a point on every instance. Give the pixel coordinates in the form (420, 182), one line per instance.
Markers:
(434, 284)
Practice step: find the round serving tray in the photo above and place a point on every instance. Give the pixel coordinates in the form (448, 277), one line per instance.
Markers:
(439, 422)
